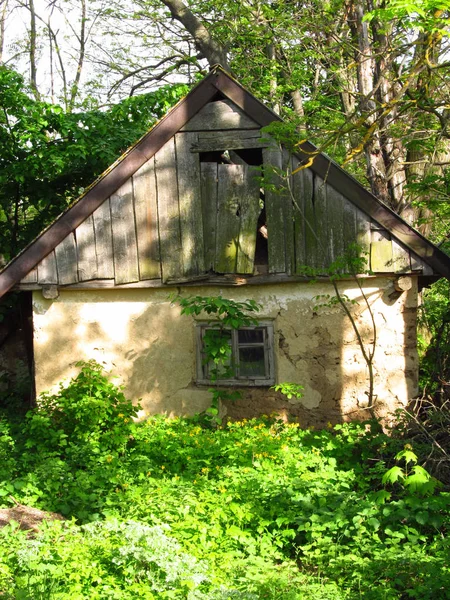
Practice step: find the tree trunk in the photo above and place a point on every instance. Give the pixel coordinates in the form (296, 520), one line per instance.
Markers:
(3, 9)
(376, 169)
(32, 51)
(82, 41)
(394, 153)
(205, 44)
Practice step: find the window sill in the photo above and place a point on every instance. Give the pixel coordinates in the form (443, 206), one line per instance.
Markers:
(237, 383)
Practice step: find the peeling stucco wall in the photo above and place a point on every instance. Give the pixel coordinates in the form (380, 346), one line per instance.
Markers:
(144, 341)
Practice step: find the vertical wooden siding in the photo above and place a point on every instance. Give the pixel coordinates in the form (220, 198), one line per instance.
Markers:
(279, 211)
(146, 212)
(178, 217)
(237, 218)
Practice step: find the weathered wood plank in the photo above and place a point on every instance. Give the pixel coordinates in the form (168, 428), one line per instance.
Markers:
(249, 213)
(222, 114)
(375, 226)
(236, 159)
(363, 235)
(126, 266)
(216, 280)
(302, 187)
(87, 258)
(381, 252)
(311, 240)
(417, 264)
(213, 141)
(288, 213)
(272, 161)
(208, 177)
(335, 224)
(168, 212)
(356, 232)
(349, 225)
(232, 135)
(230, 185)
(401, 262)
(66, 260)
(146, 211)
(47, 271)
(320, 220)
(30, 277)
(278, 201)
(103, 241)
(190, 203)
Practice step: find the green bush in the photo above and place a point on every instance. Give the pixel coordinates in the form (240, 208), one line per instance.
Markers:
(248, 510)
(89, 411)
(73, 442)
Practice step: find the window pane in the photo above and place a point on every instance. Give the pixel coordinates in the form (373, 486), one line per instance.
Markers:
(217, 344)
(251, 362)
(250, 336)
(221, 371)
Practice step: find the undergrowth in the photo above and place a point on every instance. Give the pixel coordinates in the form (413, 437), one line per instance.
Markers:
(252, 509)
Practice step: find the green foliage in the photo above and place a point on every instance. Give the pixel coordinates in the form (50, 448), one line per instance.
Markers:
(424, 15)
(48, 156)
(416, 479)
(289, 389)
(250, 509)
(71, 438)
(107, 559)
(228, 313)
(7, 446)
(89, 411)
(434, 342)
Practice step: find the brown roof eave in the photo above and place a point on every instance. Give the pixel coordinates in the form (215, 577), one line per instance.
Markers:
(107, 184)
(342, 181)
(151, 142)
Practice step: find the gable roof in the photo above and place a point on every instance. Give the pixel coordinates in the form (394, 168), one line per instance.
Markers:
(217, 81)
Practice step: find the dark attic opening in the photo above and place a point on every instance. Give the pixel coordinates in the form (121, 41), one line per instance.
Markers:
(252, 159)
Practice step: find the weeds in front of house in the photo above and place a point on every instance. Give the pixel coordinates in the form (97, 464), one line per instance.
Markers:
(252, 509)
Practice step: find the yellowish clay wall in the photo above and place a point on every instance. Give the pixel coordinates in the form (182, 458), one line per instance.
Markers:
(142, 339)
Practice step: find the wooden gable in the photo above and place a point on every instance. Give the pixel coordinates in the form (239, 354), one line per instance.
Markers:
(188, 202)
(182, 215)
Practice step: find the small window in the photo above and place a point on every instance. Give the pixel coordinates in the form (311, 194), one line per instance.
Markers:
(250, 360)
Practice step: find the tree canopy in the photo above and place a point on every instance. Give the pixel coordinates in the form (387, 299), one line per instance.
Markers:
(367, 82)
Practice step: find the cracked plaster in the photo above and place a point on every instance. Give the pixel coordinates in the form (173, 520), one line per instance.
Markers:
(142, 339)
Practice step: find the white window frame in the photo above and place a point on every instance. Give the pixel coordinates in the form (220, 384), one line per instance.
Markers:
(269, 358)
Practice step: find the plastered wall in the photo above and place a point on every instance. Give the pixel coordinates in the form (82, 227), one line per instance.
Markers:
(142, 339)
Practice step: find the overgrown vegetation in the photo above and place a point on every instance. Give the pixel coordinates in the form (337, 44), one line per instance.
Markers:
(427, 421)
(254, 509)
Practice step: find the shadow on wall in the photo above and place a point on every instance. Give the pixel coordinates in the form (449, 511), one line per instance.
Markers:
(142, 338)
(319, 349)
(137, 334)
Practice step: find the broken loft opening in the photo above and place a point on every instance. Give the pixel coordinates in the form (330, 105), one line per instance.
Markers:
(248, 157)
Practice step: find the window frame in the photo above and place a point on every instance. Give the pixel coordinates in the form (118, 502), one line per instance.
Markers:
(269, 356)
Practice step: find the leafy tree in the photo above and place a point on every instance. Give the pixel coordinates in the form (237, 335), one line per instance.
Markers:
(47, 155)
(366, 81)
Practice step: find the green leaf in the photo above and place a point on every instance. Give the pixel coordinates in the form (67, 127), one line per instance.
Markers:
(374, 523)
(393, 475)
(407, 454)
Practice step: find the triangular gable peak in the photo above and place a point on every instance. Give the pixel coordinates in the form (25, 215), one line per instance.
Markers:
(185, 203)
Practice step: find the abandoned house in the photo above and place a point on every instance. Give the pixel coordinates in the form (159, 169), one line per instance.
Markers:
(186, 210)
